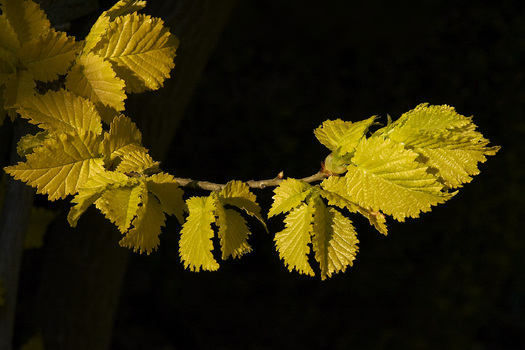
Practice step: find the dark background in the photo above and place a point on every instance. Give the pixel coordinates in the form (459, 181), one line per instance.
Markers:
(453, 279)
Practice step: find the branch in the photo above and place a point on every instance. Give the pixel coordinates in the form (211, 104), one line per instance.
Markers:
(210, 186)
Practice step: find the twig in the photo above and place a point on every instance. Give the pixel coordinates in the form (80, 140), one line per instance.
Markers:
(210, 186)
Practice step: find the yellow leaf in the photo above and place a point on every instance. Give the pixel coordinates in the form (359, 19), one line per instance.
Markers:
(334, 242)
(8, 62)
(9, 46)
(456, 164)
(446, 141)
(292, 243)
(195, 246)
(137, 160)
(122, 133)
(288, 195)
(61, 165)
(238, 194)
(237, 189)
(121, 204)
(141, 50)
(121, 8)
(62, 111)
(334, 190)
(386, 177)
(144, 236)
(95, 34)
(49, 55)
(27, 143)
(93, 188)
(341, 136)
(124, 7)
(26, 18)
(233, 233)
(167, 190)
(8, 40)
(430, 118)
(19, 87)
(93, 78)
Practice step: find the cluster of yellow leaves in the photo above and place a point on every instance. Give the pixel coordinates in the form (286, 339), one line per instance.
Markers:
(409, 165)
(30, 51)
(195, 242)
(73, 154)
(124, 52)
(400, 170)
(310, 222)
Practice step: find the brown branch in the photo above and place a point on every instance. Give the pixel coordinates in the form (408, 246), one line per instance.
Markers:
(210, 186)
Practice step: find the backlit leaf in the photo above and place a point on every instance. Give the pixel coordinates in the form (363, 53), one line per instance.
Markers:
(292, 243)
(429, 118)
(238, 194)
(93, 78)
(19, 87)
(456, 164)
(342, 136)
(120, 204)
(386, 177)
(93, 188)
(49, 55)
(141, 50)
(8, 62)
(334, 187)
(334, 190)
(144, 236)
(27, 143)
(288, 195)
(62, 111)
(122, 133)
(196, 246)
(233, 232)
(26, 18)
(167, 190)
(121, 8)
(137, 160)
(334, 242)
(61, 165)
(124, 7)
(9, 46)
(8, 40)
(445, 140)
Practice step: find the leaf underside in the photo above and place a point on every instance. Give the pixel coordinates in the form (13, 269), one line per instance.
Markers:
(195, 246)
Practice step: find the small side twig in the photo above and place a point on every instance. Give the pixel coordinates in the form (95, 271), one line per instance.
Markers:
(260, 184)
